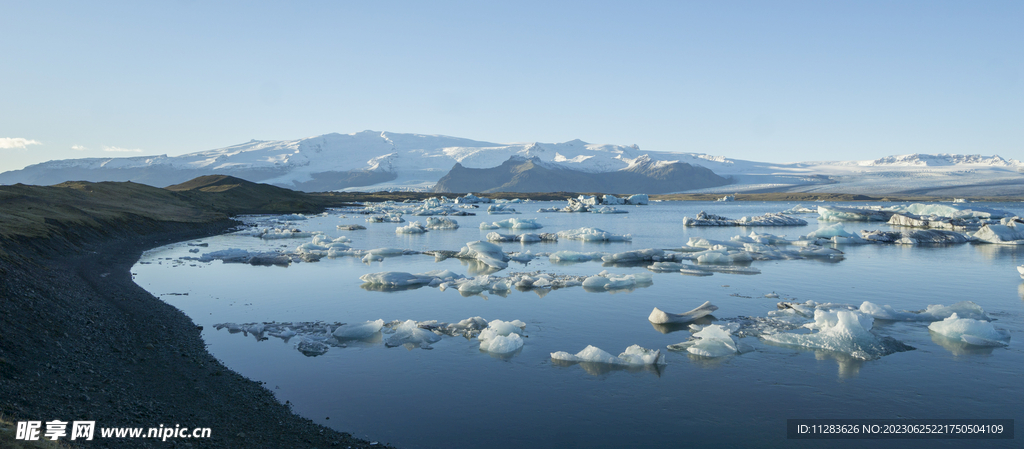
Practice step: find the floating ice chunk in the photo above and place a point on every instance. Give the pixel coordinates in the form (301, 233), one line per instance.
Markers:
(830, 231)
(638, 199)
(472, 199)
(612, 200)
(701, 242)
(358, 331)
(1000, 234)
(311, 348)
(502, 337)
(639, 255)
(574, 256)
(836, 213)
(611, 281)
(669, 267)
(388, 218)
(974, 332)
(489, 226)
(723, 256)
(800, 209)
(275, 234)
(632, 356)
(441, 223)
(711, 341)
(659, 317)
(593, 235)
(519, 223)
(350, 227)
(409, 333)
(229, 255)
(934, 312)
(501, 209)
(608, 210)
(412, 228)
(842, 331)
(488, 253)
(395, 279)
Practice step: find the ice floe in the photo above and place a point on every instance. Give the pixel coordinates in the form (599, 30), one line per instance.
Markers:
(659, 317)
(611, 281)
(412, 228)
(587, 234)
(522, 238)
(971, 331)
(770, 219)
(410, 335)
(842, 331)
(441, 223)
(501, 209)
(1000, 234)
(399, 280)
(487, 253)
(713, 340)
(633, 355)
(934, 312)
(502, 337)
(358, 331)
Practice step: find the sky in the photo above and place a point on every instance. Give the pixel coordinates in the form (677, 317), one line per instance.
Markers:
(777, 81)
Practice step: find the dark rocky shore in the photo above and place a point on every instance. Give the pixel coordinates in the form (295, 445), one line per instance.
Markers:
(79, 340)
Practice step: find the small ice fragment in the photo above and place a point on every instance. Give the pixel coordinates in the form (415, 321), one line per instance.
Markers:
(632, 356)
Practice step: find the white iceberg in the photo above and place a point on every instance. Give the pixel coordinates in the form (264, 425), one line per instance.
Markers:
(412, 228)
(843, 331)
(502, 337)
(659, 317)
(712, 341)
(934, 312)
(970, 331)
(441, 223)
(358, 331)
(488, 253)
(593, 235)
(410, 334)
(632, 356)
(611, 281)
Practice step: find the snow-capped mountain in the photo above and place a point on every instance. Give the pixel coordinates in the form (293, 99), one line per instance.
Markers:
(372, 160)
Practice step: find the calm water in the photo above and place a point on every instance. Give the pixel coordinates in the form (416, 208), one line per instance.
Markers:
(456, 396)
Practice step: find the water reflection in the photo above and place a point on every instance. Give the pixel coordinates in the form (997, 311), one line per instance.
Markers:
(373, 287)
(959, 347)
(849, 366)
(992, 251)
(604, 369)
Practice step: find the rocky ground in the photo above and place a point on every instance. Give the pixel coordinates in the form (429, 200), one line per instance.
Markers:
(79, 340)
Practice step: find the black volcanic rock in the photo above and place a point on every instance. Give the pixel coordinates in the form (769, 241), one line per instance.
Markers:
(519, 174)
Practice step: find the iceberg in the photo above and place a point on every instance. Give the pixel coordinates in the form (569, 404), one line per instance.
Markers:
(412, 228)
(593, 235)
(659, 317)
(842, 331)
(610, 281)
(970, 331)
(836, 213)
(410, 335)
(472, 199)
(358, 331)
(441, 223)
(612, 200)
(639, 199)
(311, 348)
(488, 253)
(770, 219)
(502, 337)
(575, 256)
(1000, 235)
(632, 356)
(501, 209)
(639, 255)
(934, 312)
(399, 279)
(713, 341)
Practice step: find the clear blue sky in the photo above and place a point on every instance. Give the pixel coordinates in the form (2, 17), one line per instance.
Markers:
(775, 81)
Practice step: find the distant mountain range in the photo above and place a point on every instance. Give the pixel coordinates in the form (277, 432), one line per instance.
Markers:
(374, 161)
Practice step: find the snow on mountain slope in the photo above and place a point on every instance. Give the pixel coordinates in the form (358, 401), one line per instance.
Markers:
(373, 160)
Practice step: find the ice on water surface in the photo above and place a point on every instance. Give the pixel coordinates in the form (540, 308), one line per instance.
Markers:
(971, 331)
(713, 340)
(934, 312)
(502, 337)
(660, 317)
(633, 355)
(358, 331)
(843, 331)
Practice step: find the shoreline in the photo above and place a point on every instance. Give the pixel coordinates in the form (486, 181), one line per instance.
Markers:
(82, 341)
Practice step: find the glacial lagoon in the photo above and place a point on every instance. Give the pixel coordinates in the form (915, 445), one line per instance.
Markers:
(449, 393)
